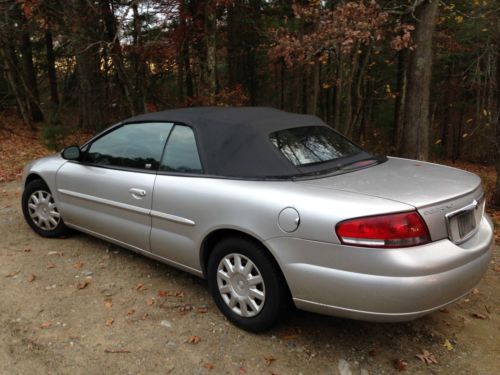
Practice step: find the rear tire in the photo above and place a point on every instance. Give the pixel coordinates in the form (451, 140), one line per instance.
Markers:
(246, 284)
(40, 210)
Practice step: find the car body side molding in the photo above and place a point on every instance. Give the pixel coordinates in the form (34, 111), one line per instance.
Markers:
(107, 202)
(175, 219)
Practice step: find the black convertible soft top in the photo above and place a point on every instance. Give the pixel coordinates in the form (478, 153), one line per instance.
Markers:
(234, 141)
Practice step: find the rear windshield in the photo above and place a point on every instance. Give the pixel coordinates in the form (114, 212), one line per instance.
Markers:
(311, 145)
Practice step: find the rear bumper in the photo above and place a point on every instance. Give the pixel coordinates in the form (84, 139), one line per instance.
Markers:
(382, 284)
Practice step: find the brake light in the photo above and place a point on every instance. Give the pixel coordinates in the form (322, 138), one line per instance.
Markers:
(385, 231)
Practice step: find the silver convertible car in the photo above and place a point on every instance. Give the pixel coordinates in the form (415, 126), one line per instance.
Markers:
(272, 208)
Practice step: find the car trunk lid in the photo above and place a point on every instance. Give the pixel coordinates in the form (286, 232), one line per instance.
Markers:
(436, 191)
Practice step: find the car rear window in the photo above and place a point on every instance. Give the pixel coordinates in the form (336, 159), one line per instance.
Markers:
(312, 145)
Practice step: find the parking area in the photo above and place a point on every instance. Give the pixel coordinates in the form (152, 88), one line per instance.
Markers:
(83, 306)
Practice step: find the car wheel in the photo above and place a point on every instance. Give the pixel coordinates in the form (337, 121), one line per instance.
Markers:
(246, 284)
(40, 210)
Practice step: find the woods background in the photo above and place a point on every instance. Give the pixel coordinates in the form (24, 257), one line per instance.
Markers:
(416, 78)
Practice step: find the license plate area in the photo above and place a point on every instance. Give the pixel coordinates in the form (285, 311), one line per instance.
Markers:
(464, 223)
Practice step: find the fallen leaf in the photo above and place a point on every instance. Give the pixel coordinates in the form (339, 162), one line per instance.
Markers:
(162, 293)
(179, 294)
(116, 351)
(269, 359)
(108, 304)
(109, 322)
(131, 312)
(150, 301)
(426, 357)
(32, 278)
(479, 316)
(208, 366)
(194, 339)
(290, 334)
(12, 274)
(83, 284)
(140, 287)
(51, 265)
(475, 291)
(144, 317)
(78, 265)
(400, 364)
(45, 325)
(243, 370)
(447, 344)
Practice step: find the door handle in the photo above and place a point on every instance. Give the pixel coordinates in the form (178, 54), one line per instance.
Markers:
(137, 193)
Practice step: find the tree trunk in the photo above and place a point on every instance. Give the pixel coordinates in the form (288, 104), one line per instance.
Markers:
(139, 63)
(210, 76)
(9, 58)
(51, 68)
(87, 42)
(496, 193)
(400, 98)
(115, 52)
(338, 94)
(415, 142)
(29, 72)
(314, 89)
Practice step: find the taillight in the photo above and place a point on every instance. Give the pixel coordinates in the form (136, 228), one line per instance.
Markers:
(393, 230)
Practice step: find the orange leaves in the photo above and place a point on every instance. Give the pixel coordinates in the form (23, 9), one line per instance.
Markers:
(336, 31)
(427, 357)
(45, 325)
(193, 339)
(84, 283)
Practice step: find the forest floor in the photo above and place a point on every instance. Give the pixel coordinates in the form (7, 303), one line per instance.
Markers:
(83, 306)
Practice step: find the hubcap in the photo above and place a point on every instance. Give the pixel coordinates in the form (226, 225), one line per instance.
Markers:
(241, 285)
(43, 210)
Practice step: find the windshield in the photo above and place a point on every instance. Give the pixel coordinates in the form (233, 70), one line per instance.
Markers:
(312, 145)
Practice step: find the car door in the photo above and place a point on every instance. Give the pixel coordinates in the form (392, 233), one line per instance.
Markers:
(176, 213)
(109, 193)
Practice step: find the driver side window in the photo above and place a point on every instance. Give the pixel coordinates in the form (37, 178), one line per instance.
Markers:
(137, 146)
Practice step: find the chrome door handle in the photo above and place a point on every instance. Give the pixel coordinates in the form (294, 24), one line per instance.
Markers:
(137, 193)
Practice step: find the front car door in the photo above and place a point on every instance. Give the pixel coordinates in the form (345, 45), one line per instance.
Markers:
(109, 193)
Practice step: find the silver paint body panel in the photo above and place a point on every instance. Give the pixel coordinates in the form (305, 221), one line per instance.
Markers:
(176, 213)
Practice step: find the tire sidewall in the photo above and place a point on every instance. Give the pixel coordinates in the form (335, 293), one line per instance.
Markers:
(275, 290)
(31, 187)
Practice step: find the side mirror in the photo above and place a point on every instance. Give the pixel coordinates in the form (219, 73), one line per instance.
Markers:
(71, 153)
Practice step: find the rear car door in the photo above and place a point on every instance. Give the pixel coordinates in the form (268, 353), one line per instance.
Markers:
(178, 188)
(109, 193)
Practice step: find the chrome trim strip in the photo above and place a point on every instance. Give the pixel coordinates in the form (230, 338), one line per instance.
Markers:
(175, 219)
(107, 202)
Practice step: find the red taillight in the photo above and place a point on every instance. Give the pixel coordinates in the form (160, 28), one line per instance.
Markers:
(394, 230)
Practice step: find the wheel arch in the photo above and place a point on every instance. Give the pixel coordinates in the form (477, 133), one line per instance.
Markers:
(32, 177)
(218, 235)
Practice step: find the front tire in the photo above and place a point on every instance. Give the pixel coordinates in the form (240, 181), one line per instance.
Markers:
(40, 210)
(246, 284)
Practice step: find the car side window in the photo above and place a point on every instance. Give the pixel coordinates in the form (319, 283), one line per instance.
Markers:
(181, 153)
(131, 146)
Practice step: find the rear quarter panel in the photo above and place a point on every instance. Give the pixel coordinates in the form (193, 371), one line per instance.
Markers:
(252, 207)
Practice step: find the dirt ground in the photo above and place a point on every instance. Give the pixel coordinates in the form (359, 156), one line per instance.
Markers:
(82, 306)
